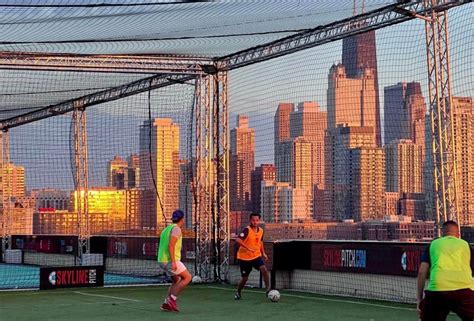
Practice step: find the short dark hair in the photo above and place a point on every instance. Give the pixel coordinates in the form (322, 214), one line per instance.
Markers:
(176, 220)
(177, 216)
(255, 214)
(449, 225)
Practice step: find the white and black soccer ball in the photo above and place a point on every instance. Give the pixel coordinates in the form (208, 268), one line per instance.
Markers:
(274, 295)
(197, 279)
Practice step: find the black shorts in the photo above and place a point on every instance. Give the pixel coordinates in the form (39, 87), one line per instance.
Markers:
(246, 266)
(437, 305)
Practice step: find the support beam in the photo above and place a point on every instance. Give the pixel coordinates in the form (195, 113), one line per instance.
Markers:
(5, 191)
(202, 181)
(81, 179)
(99, 63)
(383, 17)
(211, 193)
(446, 188)
(221, 156)
(100, 97)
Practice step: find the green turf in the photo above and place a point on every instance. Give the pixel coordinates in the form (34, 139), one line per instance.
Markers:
(206, 303)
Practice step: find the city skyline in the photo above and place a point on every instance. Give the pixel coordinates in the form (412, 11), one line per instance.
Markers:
(291, 201)
(311, 105)
(327, 148)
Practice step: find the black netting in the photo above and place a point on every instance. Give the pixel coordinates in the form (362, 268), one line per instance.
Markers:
(330, 144)
(212, 28)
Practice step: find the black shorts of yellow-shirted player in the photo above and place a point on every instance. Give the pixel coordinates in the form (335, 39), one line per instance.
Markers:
(169, 257)
(251, 254)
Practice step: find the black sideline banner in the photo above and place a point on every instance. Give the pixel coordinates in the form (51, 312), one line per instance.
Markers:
(71, 277)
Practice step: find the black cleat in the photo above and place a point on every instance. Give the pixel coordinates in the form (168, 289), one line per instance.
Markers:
(237, 296)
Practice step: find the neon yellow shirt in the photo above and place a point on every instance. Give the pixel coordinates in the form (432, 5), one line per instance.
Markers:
(164, 255)
(450, 265)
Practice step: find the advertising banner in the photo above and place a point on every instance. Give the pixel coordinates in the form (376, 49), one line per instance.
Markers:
(71, 277)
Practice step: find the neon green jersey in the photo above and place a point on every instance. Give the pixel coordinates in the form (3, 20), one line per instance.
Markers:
(450, 265)
(164, 255)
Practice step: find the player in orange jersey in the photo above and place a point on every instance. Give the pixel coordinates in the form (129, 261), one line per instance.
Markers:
(251, 254)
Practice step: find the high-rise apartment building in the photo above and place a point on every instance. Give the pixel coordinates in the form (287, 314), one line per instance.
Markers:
(13, 180)
(404, 166)
(310, 123)
(296, 167)
(281, 134)
(242, 163)
(463, 122)
(264, 172)
(351, 101)
(463, 111)
(358, 53)
(159, 172)
(185, 192)
(404, 113)
(366, 183)
(339, 143)
(117, 173)
(133, 171)
(283, 203)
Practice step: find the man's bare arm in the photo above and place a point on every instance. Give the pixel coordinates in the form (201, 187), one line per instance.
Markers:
(423, 272)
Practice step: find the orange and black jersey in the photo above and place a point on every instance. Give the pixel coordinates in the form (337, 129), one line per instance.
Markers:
(252, 239)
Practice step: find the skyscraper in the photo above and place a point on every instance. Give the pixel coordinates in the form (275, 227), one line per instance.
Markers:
(133, 170)
(367, 183)
(283, 203)
(242, 163)
(282, 121)
(351, 101)
(404, 113)
(359, 52)
(117, 173)
(264, 172)
(296, 165)
(309, 123)
(159, 171)
(340, 159)
(185, 191)
(13, 180)
(463, 122)
(428, 180)
(463, 112)
(404, 166)
(282, 134)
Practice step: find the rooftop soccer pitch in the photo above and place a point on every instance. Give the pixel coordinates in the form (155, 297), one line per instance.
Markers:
(198, 302)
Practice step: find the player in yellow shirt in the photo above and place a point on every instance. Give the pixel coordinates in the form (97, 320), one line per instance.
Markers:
(169, 257)
(447, 264)
(251, 254)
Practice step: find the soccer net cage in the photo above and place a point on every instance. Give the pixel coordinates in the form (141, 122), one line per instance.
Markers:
(337, 121)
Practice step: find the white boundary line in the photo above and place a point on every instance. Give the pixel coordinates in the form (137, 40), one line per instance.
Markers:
(325, 299)
(11, 307)
(106, 296)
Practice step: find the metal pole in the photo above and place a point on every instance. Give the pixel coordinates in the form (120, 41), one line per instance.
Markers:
(445, 173)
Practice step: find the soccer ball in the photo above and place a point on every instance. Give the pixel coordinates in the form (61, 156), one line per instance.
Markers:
(274, 295)
(197, 279)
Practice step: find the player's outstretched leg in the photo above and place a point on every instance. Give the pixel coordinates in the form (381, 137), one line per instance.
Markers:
(243, 281)
(183, 279)
(266, 278)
